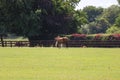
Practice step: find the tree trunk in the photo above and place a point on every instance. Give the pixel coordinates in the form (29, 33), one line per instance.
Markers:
(2, 42)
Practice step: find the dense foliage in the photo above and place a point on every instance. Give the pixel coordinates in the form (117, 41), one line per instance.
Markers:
(45, 19)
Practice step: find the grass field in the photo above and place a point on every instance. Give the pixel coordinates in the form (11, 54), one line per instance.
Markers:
(59, 64)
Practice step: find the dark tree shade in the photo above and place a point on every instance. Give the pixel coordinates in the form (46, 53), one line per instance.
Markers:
(45, 18)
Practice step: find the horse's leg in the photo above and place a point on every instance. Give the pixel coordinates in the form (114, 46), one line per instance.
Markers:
(66, 44)
(56, 44)
(61, 45)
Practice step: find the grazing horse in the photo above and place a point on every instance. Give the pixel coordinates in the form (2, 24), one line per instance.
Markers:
(61, 41)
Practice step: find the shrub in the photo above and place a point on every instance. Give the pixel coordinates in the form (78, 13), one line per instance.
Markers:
(114, 30)
(101, 37)
(116, 36)
(98, 37)
(78, 36)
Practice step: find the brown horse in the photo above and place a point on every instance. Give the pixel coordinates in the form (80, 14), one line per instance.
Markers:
(61, 41)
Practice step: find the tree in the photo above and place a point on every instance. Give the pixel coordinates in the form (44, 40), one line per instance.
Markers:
(111, 13)
(89, 28)
(117, 21)
(38, 19)
(92, 12)
(57, 17)
(19, 17)
(113, 29)
(102, 25)
(80, 18)
(118, 1)
(116, 27)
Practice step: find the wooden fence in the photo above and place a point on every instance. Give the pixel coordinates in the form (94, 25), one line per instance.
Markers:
(94, 43)
(71, 43)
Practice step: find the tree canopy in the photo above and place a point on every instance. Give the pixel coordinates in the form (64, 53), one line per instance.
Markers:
(39, 17)
(92, 12)
(118, 1)
(45, 19)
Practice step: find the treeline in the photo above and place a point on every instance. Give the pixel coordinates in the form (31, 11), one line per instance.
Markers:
(45, 19)
(101, 20)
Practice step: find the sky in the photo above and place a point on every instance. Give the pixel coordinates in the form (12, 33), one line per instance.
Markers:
(97, 3)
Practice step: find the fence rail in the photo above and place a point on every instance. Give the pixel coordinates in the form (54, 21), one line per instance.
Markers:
(71, 43)
(94, 43)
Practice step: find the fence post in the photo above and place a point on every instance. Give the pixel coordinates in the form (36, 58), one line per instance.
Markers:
(5, 43)
(10, 43)
(2, 42)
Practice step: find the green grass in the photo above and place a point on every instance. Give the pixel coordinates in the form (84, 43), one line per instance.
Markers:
(59, 64)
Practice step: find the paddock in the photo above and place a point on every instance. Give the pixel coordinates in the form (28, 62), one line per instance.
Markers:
(59, 64)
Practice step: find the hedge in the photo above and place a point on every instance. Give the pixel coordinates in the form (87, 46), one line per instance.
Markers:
(102, 37)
